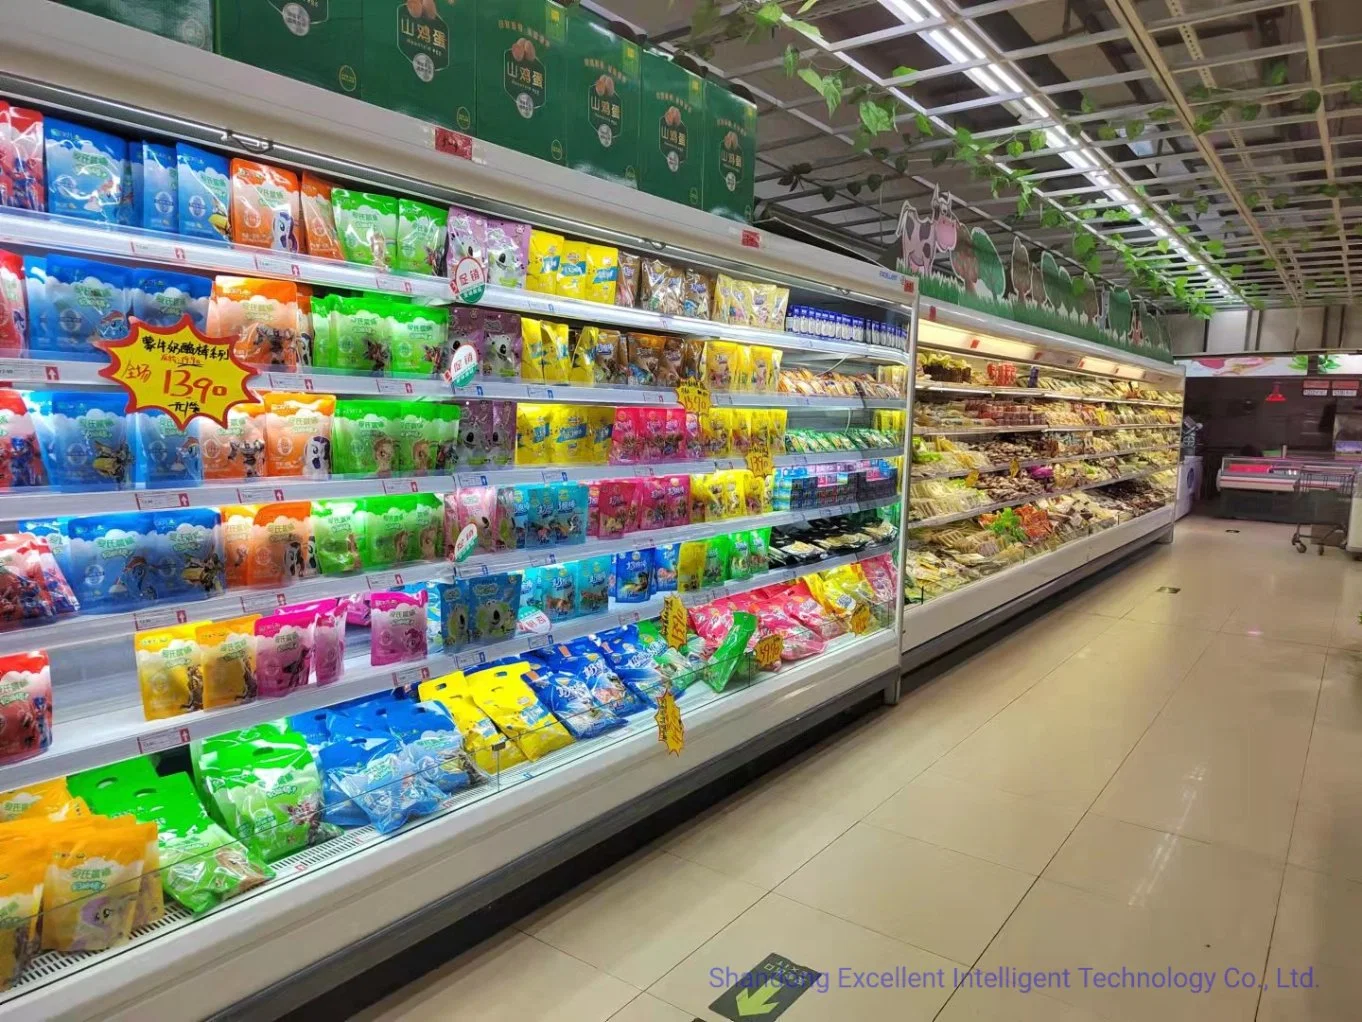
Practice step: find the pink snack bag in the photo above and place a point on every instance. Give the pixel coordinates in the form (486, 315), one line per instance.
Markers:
(617, 515)
(474, 505)
(397, 628)
(654, 435)
(626, 443)
(283, 652)
(502, 342)
(593, 509)
(357, 610)
(674, 434)
(652, 503)
(694, 447)
(678, 501)
(466, 328)
(328, 636)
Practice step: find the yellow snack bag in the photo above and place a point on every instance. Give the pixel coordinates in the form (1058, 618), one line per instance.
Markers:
(92, 884)
(546, 253)
(768, 494)
(169, 671)
(762, 369)
(721, 364)
(582, 369)
(714, 433)
(533, 431)
(775, 429)
(23, 869)
(740, 431)
(572, 269)
(751, 493)
(227, 654)
(531, 349)
(706, 498)
(602, 273)
(490, 749)
(503, 694)
(37, 800)
(733, 494)
(690, 565)
(742, 374)
(557, 353)
(572, 442)
(773, 384)
(601, 421)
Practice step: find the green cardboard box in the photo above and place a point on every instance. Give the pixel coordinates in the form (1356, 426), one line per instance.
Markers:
(316, 41)
(522, 85)
(605, 91)
(672, 131)
(730, 152)
(185, 21)
(421, 63)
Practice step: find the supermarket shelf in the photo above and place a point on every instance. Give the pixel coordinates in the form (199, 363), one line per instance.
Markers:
(960, 516)
(1096, 456)
(94, 739)
(47, 232)
(91, 628)
(988, 430)
(950, 388)
(15, 504)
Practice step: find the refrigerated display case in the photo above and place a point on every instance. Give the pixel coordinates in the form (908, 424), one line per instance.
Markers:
(294, 766)
(1037, 460)
(1262, 489)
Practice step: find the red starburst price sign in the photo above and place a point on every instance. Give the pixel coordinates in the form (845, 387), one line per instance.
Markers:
(178, 371)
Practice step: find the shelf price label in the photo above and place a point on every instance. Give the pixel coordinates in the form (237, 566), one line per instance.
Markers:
(860, 619)
(694, 398)
(674, 621)
(671, 732)
(759, 463)
(768, 651)
(177, 370)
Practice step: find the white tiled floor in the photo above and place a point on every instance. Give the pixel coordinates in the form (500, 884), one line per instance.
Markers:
(1139, 780)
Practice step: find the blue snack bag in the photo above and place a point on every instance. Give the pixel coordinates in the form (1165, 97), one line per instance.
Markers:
(587, 660)
(435, 633)
(631, 659)
(493, 604)
(164, 454)
(203, 190)
(40, 328)
(189, 562)
(433, 742)
(84, 301)
(593, 584)
(161, 298)
(83, 439)
(155, 187)
(112, 561)
(557, 585)
(633, 576)
(87, 172)
(454, 616)
(543, 517)
(382, 780)
(569, 513)
(570, 699)
(664, 567)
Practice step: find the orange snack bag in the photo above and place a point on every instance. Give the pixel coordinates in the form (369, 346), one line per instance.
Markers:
(236, 451)
(318, 219)
(237, 522)
(279, 544)
(264, 206)
(298, 434)
(261, 316)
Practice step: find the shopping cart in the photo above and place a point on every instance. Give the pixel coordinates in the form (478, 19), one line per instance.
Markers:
(1321, 502)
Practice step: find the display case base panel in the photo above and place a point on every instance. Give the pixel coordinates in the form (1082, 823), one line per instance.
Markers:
(936, 627)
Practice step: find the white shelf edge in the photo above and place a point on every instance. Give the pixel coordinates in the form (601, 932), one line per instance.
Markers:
(1053, 395)
(960, 516)
(1097, 456)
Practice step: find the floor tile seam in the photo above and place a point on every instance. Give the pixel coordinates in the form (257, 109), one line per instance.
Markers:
(948, 848)
(1263, 857)
(593, 967)
(822, 848)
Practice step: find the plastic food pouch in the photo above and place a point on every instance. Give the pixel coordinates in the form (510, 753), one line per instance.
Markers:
(298, 435)
(270, 797)
(361, 334)
(283, 652)
(880, 576)
(690, 565)
(227, 653)
(501, 440)
(237, 522)
(661, 287)
(318, 218)
(420, 237)
(169, 671)
(435, 636)
(570, 700)
(627, 437)
(93, 879)
(714, 433)
(385, 530)
(626, 290)
(503, 354)
(72, 303)
(261, 317)
(730, 651)
(364, 438)
(546, 256)
(607, 354)
(652, 503)
(507, 243)
(759, 550)
(739, 563)
(454, 616)
(163, 453)
(237, 451)
(265, 211)
(602, 274)
(617, 513)
(82, 439)
(494, 605)
(503, 694)
(751, 492)
(722, 365)
(676, 510)
(556, 358)
(445, 427)
(654, 434)
(423, 519)
(397, 628)
(280, 544)
(476, 506)
(718, 550)
(593, 584)
(203, 190)
(23, 868)
(600, 423)
(512, 519)
(413, 427)
(465, 233)
(666, 568)
(419, 339)
(558, 583)
(366, 225)
(734, 494)
(23, 181)
(534, 425)
(25, 706)
(697, 294)
(190, 560)
(646, 359)
(113, 567)
(572, 441)
(581, 362)
(763, 370)
(328, 640)
(13, 303)
(476, 427)
(633, 576)
(160, 298)
(433, 742)
(572, 270)
(742, 377)
(569, 513)
(490, 749)
(384, 781)
(85, 172)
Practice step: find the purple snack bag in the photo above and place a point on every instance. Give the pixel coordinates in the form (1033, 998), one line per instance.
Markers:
(500, 354)
(283, 652)
(466, 327)
(507, 247)
(397, 628)
(475, 433)
(503, 432)
(464, 234)
(328, 636)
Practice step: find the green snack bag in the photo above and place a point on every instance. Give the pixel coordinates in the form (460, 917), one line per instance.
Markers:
(425, 527)
(604, 95)
(420, 237)
(730, 152)
(672, 664)
(385, 530)
(671, 131)
(717, 553)
(366, 225)
(445, 424)
(317, 41)
(421, 63)
(759, 551)
(522, 92)
(364, 438)
(739, 565)
(415, 454)
(323, 331)
(338, 534)
(730, 652)
(99, 785)
(362, 333)
(419, 339)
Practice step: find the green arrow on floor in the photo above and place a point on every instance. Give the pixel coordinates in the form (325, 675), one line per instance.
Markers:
(757, 1002)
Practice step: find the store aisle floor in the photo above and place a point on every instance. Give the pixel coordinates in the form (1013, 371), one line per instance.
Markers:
(1162, 781)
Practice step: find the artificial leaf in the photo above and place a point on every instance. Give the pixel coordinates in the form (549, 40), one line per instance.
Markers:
(1106, 132)
(832, 92)
(853, 188)
(875, 118)
(1016, 148)
(1051, 217)
(1250, 111)
(1073, 130)
(1087, 106)
(880, 152)
(812, 78)
(904, 72)
(874, 181)
(1233, 270)
(1203, 124)
(901, 163)
(1023, 202)
(1087, 214)
(829, 193)
(1216, 247)
(1083, 244)
(1281, 201)
(1355, 91)
(1198, 93)
(924, 125)
(1038, 140)
(1164, 245)
(807, 6)
(1134, 128)
(1202, 205)
(1093, 264)
(1162, 113)
(1310, 101)
(940, 156)
(768, 15)
(1331, 190)
(1175, 209)
(791, 60)
(1275, 74)
(963, 137)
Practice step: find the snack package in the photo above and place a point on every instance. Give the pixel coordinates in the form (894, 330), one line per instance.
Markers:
(265, 211)
(593, 584)
(383, 779)
(608, 354)
(421, 230)
(501, 441)
(546, 253)
(513, 517)
(491, 751)
(361, 334)
(154, 185)
(204, 191)
(188, 552)
(572, 277)
(364, 438)
(581, 363)
(494, 603)
(534, 426)
(501, 352)
(74, 303)
(697, 294)
(262, 318)
(169, 671)
(25, 706)
(633, 576)
(227, 659)
(445, 426)
(676, 510)
(646, 359)
(722, 365)
(397, 628)
(92, 883)
(237, 522)
(652, 502)
(507, 245)
(601, 421)
(465, 237)
(626, 447)
(718, 550)
(571, 435)
(476, 506)
(283, 652)
(602, 274)
(571, 701)
(626, 290)
(163, 453)
(557, 584)
(690, 565)
(617, 508)
(385, 530)
(454, 616)
(504, 695)
(661, 288)
(740, 431)
(319, 221)
(418, 339)
(13, 306)
(23, 179)
(85, 172)
(328, 640)
(545, 354)
(415, 431)
(281, 543)
(366, 225)
(666, 568)
(298, 435)
(160, 298)
(237, 451)
(569, 513)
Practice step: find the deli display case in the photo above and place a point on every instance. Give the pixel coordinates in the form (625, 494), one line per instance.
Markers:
(1262, 489)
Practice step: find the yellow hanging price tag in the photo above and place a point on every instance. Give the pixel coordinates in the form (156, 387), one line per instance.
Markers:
(674, 621)
(671, 732)
(694, 398)
(860, 619)
(972, 480)
(768, 651)
(1013, 467)
(177, 370)
(759, 463)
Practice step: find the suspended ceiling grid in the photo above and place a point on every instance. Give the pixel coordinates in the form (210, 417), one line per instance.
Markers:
(1003, 68)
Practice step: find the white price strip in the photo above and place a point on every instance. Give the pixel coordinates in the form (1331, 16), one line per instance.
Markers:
(23, 369)
(470, 659)
(280, 267)
(153, 501)
(543, 559)
(262, 603)
(384, 581)
(401, 486)
(159, 618)
(159, 741)
(259, 494)
(632, 618)
(290, 381)
(161, 250)
(383, 282)
(555, 476)
(470, 570)
(411, 676)
(394, 387)
(537, 305)
(471, 479)
(539, 641)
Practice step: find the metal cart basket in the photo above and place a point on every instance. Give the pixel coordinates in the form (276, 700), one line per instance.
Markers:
(1321, 503)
